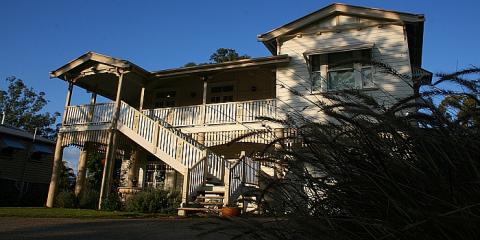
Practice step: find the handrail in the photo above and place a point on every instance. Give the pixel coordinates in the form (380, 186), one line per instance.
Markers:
(244, 171)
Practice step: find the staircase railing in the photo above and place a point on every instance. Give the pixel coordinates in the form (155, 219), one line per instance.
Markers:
(196, 177)
(164, 137)
(244, 171)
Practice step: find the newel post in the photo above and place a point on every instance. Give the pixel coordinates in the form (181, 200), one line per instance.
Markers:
(185, 187)
(57, 159)
(226, 177)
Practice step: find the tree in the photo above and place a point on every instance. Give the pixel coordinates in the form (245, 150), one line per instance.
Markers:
(462, 108)
(190, 64)
(66, 178)
(226, 55)
(23, 108)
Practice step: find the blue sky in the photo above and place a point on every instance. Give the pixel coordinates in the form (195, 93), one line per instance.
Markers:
(40, 36)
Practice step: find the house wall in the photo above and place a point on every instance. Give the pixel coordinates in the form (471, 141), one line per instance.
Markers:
(189, 89)
(390, 48)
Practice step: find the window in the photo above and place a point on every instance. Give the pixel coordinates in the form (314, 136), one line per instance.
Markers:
(165, 99)
(342, 70)
(221, 94)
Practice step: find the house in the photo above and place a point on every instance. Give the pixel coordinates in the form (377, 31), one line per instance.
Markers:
(170, 128)
(25, 167)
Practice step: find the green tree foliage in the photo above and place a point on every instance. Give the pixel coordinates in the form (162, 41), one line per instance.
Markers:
(226, 55)
(190, 64)
(23, 108)
(94, 169)
(461, 108)
(221, 55)
(65, 180)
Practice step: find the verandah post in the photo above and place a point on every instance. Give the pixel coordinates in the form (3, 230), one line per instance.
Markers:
(57, 159)
(82, 165)
(204, 100)
(110, 155)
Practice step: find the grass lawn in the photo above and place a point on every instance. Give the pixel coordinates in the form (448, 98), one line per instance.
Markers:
(68, 213)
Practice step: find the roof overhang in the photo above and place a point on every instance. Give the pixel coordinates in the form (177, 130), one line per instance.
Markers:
(208, 68)
(345, 48)
(100, 73)
(86, 60)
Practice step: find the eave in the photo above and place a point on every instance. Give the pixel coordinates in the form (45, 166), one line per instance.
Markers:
(207, 68)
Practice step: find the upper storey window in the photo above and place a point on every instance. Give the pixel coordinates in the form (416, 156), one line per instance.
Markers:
(341, 70)
(221, 94)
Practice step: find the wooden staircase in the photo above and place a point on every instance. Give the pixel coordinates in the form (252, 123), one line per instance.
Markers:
(209, 181)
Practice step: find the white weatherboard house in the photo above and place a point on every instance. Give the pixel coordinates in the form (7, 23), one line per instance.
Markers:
(170, 128)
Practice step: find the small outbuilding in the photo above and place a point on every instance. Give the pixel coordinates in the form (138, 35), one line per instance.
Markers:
(25, 167)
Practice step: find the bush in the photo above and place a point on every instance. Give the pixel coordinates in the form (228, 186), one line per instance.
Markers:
(89, 199)
(153, 201)
(371, 171)
(65, 199)
(112, 202)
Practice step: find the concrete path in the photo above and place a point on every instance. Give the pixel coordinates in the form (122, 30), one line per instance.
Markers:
(118, 229)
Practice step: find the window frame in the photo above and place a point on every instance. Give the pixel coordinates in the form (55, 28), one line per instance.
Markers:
(321, 73)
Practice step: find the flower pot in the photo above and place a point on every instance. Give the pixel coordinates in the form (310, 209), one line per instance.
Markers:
(231, 211)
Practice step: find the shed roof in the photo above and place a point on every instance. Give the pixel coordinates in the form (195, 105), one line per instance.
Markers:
(13, 131)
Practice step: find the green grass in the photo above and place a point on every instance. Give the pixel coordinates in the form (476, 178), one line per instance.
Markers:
(68, 213)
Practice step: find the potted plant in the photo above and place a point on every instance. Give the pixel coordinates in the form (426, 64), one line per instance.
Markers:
(231, 210)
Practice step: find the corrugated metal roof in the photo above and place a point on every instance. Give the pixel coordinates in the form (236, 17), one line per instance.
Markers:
(13, 131)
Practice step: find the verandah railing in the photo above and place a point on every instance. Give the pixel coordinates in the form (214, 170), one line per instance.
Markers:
(215, 113)
(89, 114)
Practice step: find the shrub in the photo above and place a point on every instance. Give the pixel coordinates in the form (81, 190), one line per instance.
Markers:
(65, 199)
(89, 199)
(153, 201)
(112, 202)
(371, 171)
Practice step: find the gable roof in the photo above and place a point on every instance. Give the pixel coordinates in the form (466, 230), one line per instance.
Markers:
(95, 57)
(340, 8)
(269, 37)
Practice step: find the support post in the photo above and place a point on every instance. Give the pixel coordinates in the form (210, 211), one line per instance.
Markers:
(82, 170)
(204, 100)
(186, 183)
(279, 134)
(226, 196)
(93, 101)
(244, 177)
(140, 108)
(132, 170)
(156, 132)
(110, 155)
(57, 159)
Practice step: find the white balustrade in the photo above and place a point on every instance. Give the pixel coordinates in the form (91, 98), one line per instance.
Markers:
(89, 114)
(244, 171)
(215, 113)
(196, 177)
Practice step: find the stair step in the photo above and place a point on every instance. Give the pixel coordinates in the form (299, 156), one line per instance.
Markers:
(210, 189)
(210, 203)
(210, 197)
(202, 209)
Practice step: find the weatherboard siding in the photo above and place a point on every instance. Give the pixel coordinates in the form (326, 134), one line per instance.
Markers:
(390, 47)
